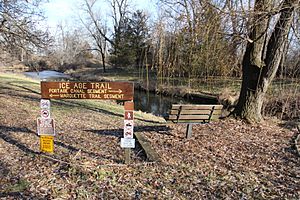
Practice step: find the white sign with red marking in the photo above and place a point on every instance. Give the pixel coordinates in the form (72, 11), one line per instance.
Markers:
(45, 108)
(128, 128)
(45, 126)
(45, 113)
(127, 141)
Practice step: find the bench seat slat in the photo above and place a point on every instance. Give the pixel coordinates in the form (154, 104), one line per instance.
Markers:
(198, 107)
(192, 117)
(190, 121)
(194, 112)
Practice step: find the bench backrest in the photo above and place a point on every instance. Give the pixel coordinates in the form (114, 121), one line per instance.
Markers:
(194, 113)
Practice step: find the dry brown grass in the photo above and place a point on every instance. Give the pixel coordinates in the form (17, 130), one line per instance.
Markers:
(223, 160)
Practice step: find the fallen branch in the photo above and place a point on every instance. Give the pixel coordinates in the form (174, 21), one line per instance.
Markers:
(297, 141)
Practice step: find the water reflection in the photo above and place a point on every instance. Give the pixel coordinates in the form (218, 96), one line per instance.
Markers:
(47, 74)
(156, 104)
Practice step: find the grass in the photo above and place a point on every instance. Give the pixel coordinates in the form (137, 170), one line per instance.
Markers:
(20, 186)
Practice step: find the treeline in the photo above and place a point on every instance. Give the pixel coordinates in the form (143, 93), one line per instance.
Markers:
(187, 39)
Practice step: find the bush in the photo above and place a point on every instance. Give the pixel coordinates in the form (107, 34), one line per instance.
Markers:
(285, 106)
(37, 65)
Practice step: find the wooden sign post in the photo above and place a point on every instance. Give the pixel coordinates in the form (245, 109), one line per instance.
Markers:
(87, 90)
(127, 141)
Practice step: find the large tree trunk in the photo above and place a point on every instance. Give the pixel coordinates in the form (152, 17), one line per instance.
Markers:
(262, 58)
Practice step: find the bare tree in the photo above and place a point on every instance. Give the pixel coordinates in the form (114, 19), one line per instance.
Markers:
(119, 15)
(70, 48)
(97, 30)
(119, 12)
(199, 47)
(263, 55)
(18, 26)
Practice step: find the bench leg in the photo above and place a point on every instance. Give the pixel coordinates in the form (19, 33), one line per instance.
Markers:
(189, 131)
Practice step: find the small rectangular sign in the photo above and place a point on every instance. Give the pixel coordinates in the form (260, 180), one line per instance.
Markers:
(45, 126)
(127, 143)
(128, 115)
(128, 128)
(87, 90)
(45, 104)
(46, 143)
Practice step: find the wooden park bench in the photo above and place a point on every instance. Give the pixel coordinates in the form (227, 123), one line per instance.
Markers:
(193, 114)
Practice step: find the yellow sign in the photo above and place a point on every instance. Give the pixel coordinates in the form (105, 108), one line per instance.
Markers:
(46, 143)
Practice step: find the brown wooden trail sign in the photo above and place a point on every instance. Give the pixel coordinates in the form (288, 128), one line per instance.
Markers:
(87, 90)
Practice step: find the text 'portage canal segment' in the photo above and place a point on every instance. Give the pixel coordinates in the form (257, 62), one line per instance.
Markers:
(87, 90)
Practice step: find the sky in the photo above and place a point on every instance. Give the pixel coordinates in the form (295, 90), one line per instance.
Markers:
(66, 11)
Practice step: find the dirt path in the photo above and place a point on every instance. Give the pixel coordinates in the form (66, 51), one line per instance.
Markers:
(227, 159)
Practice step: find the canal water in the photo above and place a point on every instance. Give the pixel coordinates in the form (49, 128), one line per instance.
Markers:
(48, 75)
(156, 104)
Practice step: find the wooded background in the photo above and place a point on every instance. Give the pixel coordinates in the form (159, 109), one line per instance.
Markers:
(185, 43)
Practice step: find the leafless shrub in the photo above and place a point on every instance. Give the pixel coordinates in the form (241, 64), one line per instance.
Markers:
(228, 98)
(285, 105)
